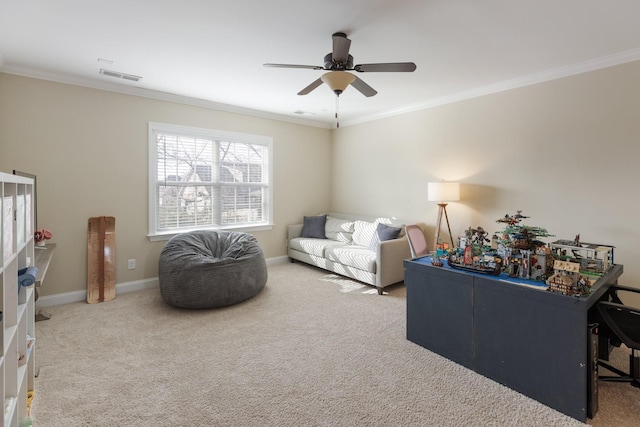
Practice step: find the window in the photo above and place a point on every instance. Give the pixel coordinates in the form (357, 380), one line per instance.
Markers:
(204, 178)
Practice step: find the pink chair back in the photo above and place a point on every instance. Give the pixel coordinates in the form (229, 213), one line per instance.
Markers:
(417, 241)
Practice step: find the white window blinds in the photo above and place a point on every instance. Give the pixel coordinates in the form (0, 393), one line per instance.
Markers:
(208, 179)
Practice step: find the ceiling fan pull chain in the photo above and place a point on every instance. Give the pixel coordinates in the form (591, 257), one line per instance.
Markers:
(337, 110)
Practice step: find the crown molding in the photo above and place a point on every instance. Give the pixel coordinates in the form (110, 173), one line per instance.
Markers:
(153, 94)
(531, 79)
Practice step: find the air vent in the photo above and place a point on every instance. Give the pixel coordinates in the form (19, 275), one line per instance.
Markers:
(117, 75)
(304, 113)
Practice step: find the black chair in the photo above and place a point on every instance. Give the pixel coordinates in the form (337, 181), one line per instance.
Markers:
(620, 324)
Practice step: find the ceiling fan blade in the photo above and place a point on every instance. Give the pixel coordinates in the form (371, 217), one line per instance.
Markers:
(311, 87)
(310, 67)
(341, 45)
(386, 67)
(364, 88)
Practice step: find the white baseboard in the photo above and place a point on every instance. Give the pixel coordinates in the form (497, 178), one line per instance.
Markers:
(136, 285)
(277, 260)
(77, 296)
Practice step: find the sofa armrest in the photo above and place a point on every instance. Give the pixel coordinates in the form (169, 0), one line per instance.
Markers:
(294, 230)
(390, 258)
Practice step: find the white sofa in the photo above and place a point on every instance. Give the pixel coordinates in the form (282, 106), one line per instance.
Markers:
(352, 248)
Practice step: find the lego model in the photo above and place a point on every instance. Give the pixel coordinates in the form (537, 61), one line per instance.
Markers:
(594, 259)
(567, 279)
(518, 252)
(472, 254)
(524, 255)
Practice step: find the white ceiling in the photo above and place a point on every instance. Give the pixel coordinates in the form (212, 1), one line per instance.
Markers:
(210, 52)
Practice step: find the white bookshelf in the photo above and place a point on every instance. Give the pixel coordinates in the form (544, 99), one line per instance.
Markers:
(18, 316)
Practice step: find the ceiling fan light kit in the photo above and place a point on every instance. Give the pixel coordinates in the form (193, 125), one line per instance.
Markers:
(338, 80)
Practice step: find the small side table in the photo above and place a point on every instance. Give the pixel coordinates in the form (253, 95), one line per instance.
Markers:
(43, 255)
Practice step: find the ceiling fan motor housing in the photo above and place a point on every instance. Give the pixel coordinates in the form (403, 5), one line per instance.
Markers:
(330, 64)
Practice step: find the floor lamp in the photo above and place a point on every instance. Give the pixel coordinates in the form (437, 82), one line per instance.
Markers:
(443, 192)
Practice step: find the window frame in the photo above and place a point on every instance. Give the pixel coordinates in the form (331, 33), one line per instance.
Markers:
(155, 128)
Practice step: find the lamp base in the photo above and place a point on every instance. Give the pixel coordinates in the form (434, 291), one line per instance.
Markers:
(442, 208)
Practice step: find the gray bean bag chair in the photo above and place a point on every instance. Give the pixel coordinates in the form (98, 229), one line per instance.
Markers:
(208, 269)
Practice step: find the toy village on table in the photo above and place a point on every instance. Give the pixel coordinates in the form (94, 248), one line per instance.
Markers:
(569, 267)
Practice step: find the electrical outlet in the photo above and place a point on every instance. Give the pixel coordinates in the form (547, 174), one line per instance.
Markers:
(132, 264)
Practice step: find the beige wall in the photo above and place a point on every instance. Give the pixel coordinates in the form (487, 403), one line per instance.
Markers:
(88, 149)
(566, 152)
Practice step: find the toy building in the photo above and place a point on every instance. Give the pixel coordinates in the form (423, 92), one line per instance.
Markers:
(594, 259)
(534, 264)
(524, 255)
(567, 279)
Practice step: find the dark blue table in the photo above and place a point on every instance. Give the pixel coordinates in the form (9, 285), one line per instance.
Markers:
(510, 330)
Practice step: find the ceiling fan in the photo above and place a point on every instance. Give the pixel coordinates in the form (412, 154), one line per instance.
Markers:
(339, 62)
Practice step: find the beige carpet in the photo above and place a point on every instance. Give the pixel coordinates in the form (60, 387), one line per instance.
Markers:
(312, 349)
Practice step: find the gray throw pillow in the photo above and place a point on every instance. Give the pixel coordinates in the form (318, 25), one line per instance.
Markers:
(383, 233)
(313, 226)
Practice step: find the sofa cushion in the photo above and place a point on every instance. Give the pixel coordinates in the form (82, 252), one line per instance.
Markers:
(352, 256)
(313, 226)
(363, 232)
(338, 229)
(383, 233)
(313, 246)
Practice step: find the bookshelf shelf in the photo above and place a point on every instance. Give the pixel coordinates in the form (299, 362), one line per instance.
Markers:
(17, 220)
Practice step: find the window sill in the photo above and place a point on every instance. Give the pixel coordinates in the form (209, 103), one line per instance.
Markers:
(157, 237)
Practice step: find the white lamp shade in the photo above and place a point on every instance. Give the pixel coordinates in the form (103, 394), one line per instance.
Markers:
(443, 191)
(338, 80)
